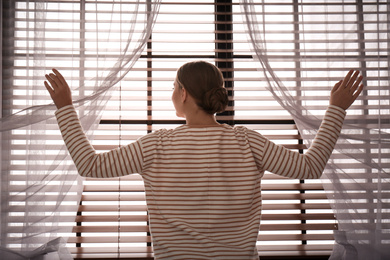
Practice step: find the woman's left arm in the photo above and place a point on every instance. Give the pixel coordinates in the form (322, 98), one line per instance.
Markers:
(58, 89)
(114, 163)
(117, 162)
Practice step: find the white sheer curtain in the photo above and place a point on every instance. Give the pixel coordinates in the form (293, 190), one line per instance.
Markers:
(95, 44)
(328, 39)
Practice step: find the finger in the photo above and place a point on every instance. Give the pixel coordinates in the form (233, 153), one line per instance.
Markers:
(59, 75)
(358, 91)
(356, 84)
(49, 89)
(346, 78)
(52, 82)
(56, 79)
(352, 79)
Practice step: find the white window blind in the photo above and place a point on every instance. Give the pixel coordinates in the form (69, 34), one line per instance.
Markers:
(112, 221)
(113, 217)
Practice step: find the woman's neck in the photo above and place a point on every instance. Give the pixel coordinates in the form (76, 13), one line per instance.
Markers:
(201, 119)
(195, 116)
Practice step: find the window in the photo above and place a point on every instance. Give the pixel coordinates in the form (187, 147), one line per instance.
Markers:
(295, 213)
(112, 220)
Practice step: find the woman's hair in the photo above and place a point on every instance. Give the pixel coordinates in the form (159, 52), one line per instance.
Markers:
(205, 83)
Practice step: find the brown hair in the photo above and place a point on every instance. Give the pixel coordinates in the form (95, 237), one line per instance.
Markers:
(205, 83)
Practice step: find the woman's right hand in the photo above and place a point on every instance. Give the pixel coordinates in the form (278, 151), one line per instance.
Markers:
(345, 92)
(58, 89)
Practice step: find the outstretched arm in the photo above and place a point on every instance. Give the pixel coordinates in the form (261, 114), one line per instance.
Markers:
(117, 162)
(279, 160)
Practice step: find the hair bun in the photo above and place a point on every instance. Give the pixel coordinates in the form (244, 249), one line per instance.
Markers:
(215, 100)
(205, 83)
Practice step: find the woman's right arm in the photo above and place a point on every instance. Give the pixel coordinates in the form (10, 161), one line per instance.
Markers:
(291, 164)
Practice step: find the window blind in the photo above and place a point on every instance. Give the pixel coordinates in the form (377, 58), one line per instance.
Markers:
(112, 220)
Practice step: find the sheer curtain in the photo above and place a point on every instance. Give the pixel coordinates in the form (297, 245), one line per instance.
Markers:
(94, 44)
(327, 39)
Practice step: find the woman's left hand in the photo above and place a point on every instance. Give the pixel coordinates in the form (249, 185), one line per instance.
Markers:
(58, 89)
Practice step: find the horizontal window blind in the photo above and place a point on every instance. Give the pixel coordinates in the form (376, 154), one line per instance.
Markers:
(30, 208)
(330, 39)
(112, 221)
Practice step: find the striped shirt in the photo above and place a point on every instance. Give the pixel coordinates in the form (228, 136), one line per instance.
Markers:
(202, 184)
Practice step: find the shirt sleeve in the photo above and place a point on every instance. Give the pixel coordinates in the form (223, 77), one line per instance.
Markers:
(117, 162)
(279, 160)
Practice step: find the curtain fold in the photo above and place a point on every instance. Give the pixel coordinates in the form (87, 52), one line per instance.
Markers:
(40, 187)
(330, 39)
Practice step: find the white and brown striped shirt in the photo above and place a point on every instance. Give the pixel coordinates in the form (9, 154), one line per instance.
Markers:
(202, 184)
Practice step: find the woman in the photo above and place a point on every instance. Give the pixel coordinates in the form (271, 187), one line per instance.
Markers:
(202, 179)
